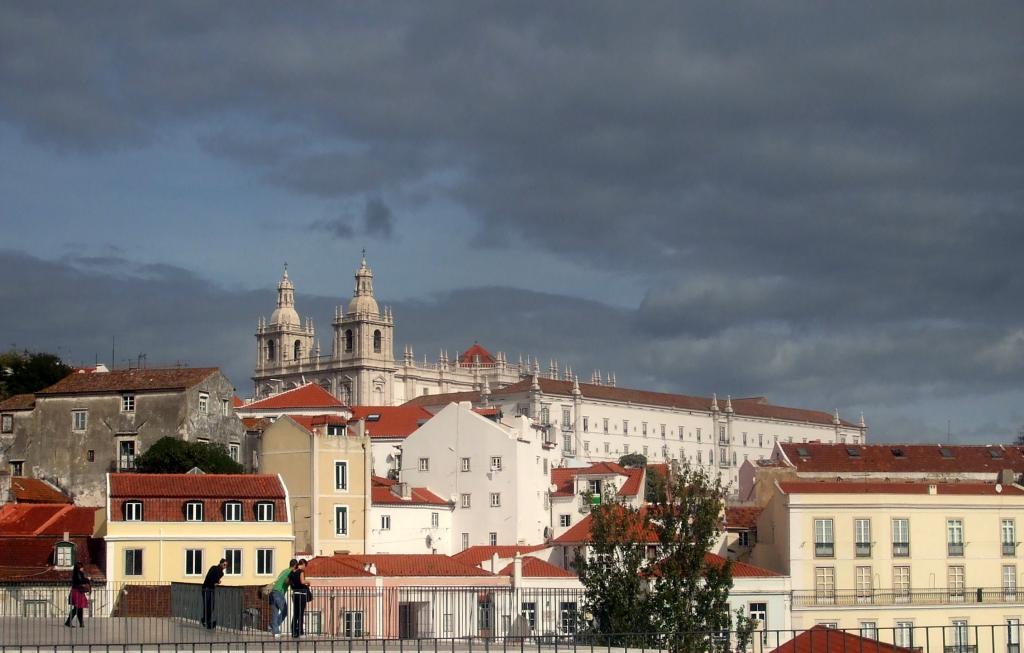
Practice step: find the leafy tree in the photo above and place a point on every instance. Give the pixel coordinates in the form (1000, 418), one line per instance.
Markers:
(648, 570)
(633, 460)
(173, 456)
(26, 372)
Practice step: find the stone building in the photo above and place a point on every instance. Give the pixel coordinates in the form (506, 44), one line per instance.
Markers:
(88, 424)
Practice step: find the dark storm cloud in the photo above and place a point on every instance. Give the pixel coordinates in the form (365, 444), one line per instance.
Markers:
(822, 200)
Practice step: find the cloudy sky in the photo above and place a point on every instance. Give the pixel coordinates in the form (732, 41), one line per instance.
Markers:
(820, 203)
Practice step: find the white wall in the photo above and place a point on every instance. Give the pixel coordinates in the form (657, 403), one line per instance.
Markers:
(410, 528)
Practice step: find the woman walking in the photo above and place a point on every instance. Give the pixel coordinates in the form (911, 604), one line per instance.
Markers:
(301, 594)
(79, 597)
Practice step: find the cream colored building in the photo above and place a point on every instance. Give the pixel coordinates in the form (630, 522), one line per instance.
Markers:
(327, 467)
(164, 528)
(888, 556)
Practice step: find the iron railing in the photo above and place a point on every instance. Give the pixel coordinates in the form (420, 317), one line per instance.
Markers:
(976, 595)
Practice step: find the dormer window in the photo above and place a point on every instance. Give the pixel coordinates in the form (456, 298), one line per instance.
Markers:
(133, 511)
(264, 511)
(193, 511)
(64, 555)
(232, 511)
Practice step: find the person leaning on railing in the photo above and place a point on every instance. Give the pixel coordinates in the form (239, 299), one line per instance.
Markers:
(278, 603)
(301, 594)
(78, 599)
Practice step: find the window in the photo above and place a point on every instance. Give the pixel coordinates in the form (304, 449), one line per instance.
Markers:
(862, 535)
(7, 423)
(1008, 536)
(90, 455)
(901, 583)
(955, 537)
(959, 637)
(564, 521)
(586, 424)
(424, 465)
(465, 464)
(79, 420)
(545, 414)
(1013, 636)
(663, 431)
(955, 575)
(313, 622)
(264, 511)
(699, 458)
(567, 616)
(194, 562)
(128, 402)
(341, 520)
(586, 445)
(435, 520)
(743, 538)
(233, 511)
(377, 340)
(643, 428)
(1009, 582)
(604, 422)
(682, 433)
(645, 451)
(353, 623)
(722, 437)
(133, 511)
(466, 499)
(385, 522)
(760, 439)
(193, 511)
(204, 402)
(723, 458)
(744, 438)
(824, 544)
(901, 538)
(17, 468)
(126, 455)
(265, 562)
(566, 418)
(225, 407)
(495, 463)
(495, 499)
(698, 436)
(869, 629)
(133, 562)
(606, 447)
(340, 475)
(825, 584)
(492, 539)
(234, 451)
(348, 340)
(864, 584)
(64, 555)
(625, 448)
(904, 635)
(465, 541)
(758, 612)
(529, 611)
(625, 427)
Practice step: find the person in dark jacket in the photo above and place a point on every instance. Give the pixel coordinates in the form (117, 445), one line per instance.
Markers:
(301, 594)
(210, 583)
(79, 597)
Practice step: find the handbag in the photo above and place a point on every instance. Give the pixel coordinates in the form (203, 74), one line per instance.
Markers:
(85, 587)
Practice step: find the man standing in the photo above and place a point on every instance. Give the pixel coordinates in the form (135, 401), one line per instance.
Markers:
(210, 583)
(278, 604)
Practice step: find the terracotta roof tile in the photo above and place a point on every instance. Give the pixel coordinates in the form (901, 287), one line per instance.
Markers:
(882, 487)
(740, 569)
(563, 478)
(34, 490)
(311, 422)
(906, 458)
(237, 402)
(741, 517)
(392, 565)
(19, 402)
(466, 359)
(821, 639)
(198, 486)
(383, 496)
(580, 533)
(307, 396)
(256, 423)
(47, 519)
(391, 421)
(474, 555)
(30, 559)
(174, 378)
(537, 568)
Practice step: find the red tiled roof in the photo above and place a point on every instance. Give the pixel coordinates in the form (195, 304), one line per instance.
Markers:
(46, 519)
(580, 532)
(741, 517)
(563, 477)
(756, 407)
(883, 487)
(466, 359)
(913, 458)
(30, 559)
(537, 568)
(391, 565)
(237, 402)
(821, 639)
(382, 495)
(34, 490)
(175, 378)
(391, 421)
(739, 569)
(256, 423)
(198, 486)
(307, 396)
(310, 422)
(474, 555)
(19, 402)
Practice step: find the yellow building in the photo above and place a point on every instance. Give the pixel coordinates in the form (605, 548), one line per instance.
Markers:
(173, 527)
(891, 557)
(327, 470)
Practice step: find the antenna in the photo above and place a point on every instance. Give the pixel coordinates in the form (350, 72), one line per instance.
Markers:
(948, 430)
(113, 361)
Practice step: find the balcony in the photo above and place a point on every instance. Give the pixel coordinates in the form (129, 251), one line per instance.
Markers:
(862, 549)
(901, 549)
(824, 550)
(975, 596)
(955, 549)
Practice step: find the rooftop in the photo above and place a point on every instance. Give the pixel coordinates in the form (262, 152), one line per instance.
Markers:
(196, 486)
(383, 495)
(537, 568)
(902, 458)
(821, 639)
(34, 490)
(18, 402)
(306, 396)
(391, 421)
(741, 517)
(474, 555)
(407, 564)
(17, 519)
(563, 478)
(889, 487)
(174, 378)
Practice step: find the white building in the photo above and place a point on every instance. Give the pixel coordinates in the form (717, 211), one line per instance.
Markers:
(405, 519)
(571, 485)
(593, 423)
(497, 474)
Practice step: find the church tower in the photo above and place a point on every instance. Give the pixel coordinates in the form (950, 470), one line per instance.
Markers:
(283, 345)
(363, 346)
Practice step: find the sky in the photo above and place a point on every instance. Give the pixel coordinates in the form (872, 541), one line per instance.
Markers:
(821, 203)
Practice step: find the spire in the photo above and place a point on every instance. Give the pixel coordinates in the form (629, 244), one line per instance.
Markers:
(728, 403)
(485, 393)
(835, 418)
(714, 402)
(285, 314)
(363, 300)
(535, 381)
(863, 424)
(576, 386)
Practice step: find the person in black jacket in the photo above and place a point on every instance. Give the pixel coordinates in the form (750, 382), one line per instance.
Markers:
(79, 597)
(301, 594)
(210, 583)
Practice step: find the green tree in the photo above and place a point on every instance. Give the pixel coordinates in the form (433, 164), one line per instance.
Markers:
(173, 456)
(633, 460)
(29, 371)
(678, 595)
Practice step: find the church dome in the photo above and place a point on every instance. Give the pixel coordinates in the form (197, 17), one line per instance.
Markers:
(285, 313)
(363, 300)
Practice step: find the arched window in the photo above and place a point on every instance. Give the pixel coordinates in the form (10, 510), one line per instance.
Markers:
(271, 354)
(297, 350)
(348, 339)
(376, 341)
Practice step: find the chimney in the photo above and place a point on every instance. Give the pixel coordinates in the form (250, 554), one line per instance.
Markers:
(933, 488)
(67, 536)
(1007, 477)
(402, 490)
(494, 562)
(517, 570)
